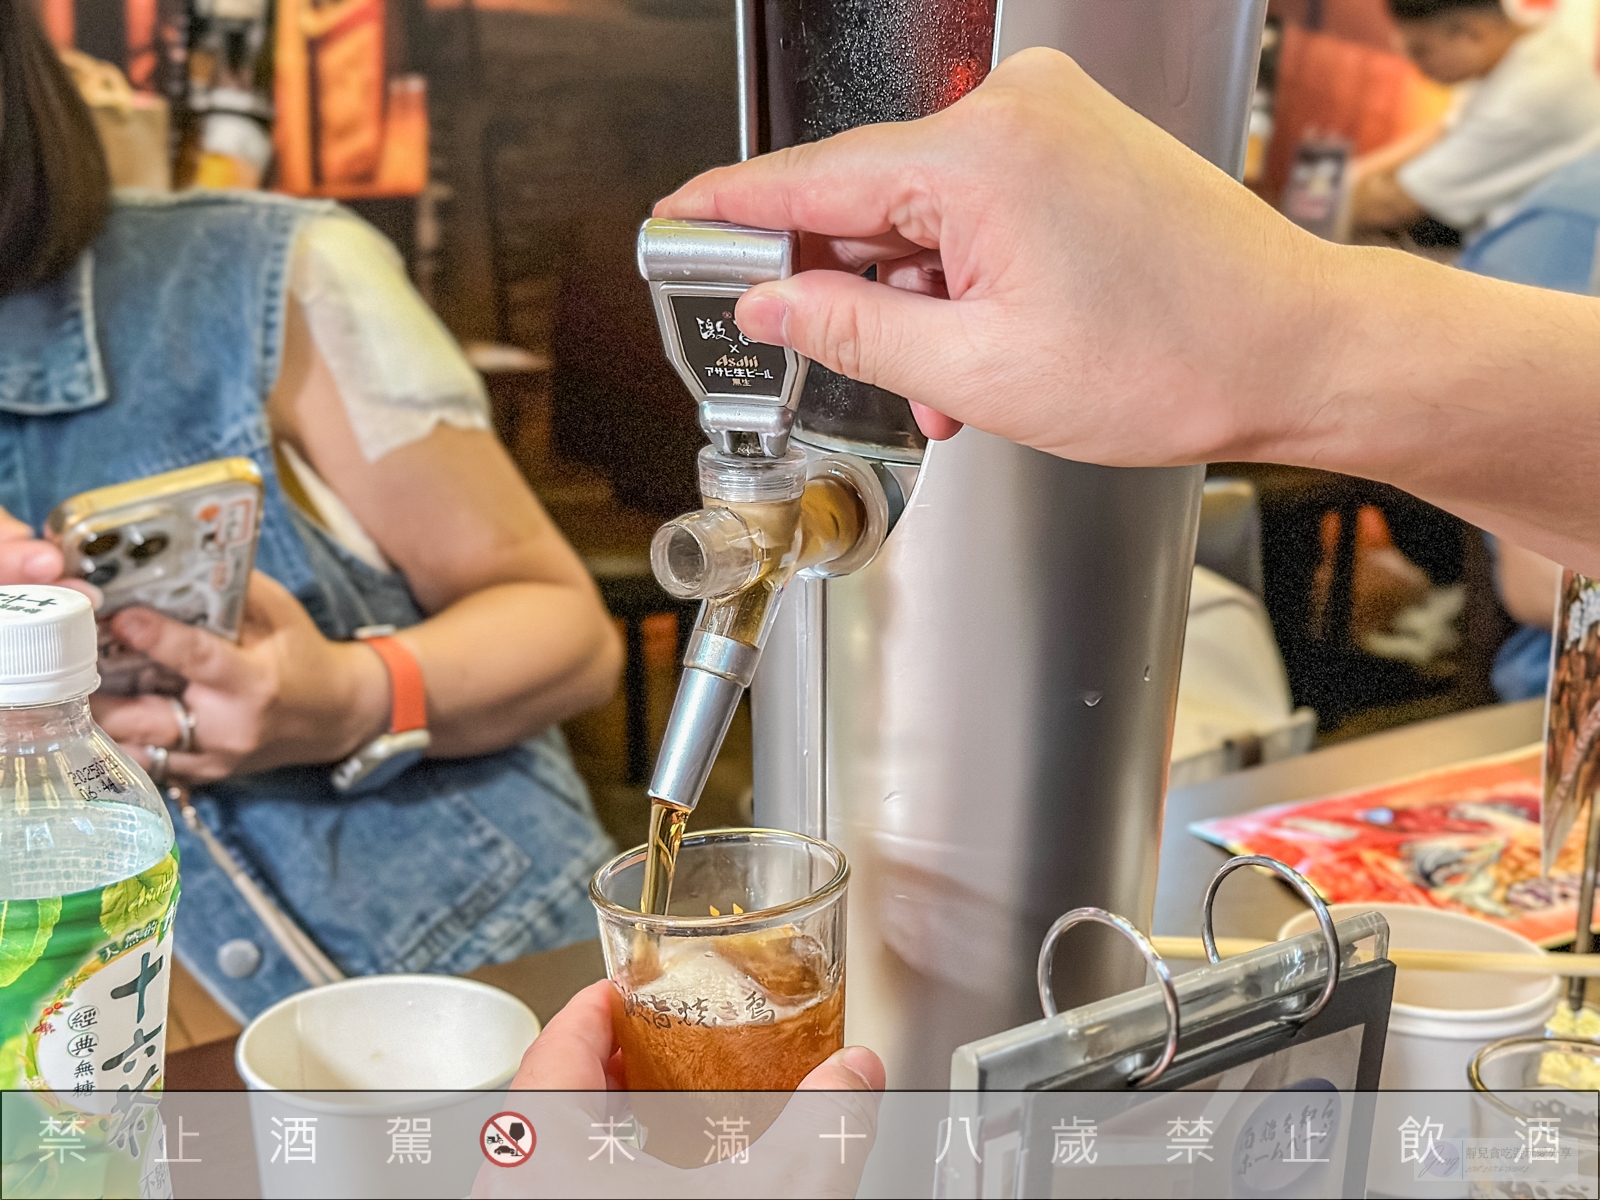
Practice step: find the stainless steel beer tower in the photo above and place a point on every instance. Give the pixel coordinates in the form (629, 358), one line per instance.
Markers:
(981, 716)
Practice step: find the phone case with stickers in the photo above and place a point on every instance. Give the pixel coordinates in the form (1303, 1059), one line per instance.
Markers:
(182, 543)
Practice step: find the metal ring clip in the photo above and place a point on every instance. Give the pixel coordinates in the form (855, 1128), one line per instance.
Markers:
(1307, 893)
(1169, 995)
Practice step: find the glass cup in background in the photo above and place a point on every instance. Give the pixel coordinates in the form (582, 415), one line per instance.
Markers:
(1534, 1100)
(740, 986)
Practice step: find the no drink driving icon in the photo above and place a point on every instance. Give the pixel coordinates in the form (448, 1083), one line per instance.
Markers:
(507, 1139)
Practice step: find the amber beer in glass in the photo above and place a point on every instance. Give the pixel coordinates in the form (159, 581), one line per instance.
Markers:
(740, 985)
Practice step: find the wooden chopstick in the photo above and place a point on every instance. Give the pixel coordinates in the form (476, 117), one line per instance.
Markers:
(1569, 965)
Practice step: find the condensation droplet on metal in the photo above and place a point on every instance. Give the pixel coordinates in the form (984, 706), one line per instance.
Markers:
(1147, 674)
(1091, 698)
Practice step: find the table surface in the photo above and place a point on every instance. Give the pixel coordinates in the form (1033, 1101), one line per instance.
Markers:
(1251, 905)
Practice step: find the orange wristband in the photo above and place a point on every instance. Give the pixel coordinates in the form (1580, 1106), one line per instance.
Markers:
(409, 697)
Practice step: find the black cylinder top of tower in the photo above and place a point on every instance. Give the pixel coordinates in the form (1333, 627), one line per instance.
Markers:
(831, 65)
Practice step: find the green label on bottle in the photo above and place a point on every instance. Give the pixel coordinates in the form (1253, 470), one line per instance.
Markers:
(83, 985)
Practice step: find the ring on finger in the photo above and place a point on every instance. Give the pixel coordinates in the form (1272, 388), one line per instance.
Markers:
(186, 723)
(158, 763)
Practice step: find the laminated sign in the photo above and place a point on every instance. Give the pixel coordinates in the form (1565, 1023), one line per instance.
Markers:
(1572, 741)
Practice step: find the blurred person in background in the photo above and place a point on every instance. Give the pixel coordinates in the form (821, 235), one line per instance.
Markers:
(1551, 239)
(1531, 106)
(142, 333)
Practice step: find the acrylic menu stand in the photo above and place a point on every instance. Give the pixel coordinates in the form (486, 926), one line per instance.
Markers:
(1310, 1012)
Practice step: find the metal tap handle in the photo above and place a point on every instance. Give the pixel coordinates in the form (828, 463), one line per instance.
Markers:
(697, 270)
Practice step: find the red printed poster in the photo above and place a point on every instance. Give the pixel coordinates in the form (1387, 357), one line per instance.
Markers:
(1572, 738)
(1464, 838)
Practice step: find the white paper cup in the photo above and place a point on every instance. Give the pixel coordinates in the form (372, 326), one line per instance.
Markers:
(408, 1046)
(388, 1032)
(1440, 1019)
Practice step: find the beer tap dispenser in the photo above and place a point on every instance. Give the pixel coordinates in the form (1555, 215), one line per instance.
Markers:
(771, 509)
(980, 717)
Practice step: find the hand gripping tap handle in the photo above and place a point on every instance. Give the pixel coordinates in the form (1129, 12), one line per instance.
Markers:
(697, 270)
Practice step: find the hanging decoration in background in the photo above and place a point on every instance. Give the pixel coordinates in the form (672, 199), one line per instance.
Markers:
(199, 68)
(124, 33)
(228, 98)
(291, 94)
(126, 56)
(344, 128)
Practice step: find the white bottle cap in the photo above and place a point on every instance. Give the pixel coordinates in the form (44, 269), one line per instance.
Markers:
(47, 645)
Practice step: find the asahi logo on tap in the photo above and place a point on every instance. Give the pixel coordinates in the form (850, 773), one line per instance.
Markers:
(725, 361)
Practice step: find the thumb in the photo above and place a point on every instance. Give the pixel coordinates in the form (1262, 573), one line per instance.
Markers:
(911, 344)
(853, 1069)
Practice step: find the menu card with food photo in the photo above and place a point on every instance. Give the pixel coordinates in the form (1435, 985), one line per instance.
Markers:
(1465, 838)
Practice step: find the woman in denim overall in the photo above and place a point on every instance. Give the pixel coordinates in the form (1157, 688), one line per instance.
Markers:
(156, 349)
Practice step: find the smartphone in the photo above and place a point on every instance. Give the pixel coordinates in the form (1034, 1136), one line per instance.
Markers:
(182, 543)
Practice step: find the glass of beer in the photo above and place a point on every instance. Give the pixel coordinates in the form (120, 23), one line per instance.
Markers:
(740, 986)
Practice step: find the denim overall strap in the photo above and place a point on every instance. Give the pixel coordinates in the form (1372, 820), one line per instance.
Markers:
(157, 351)
(160, 350)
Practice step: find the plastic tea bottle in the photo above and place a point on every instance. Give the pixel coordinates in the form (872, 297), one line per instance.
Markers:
(88, 871)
